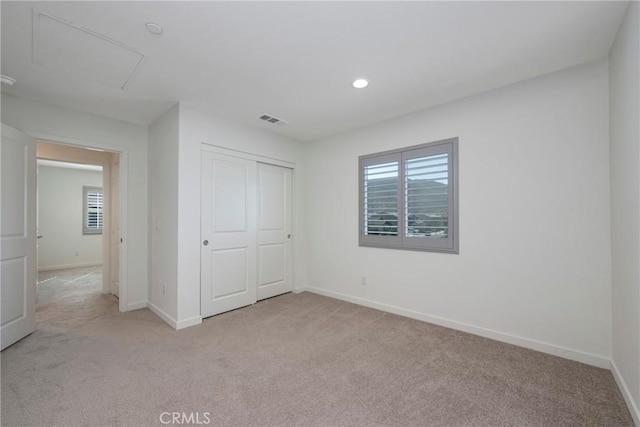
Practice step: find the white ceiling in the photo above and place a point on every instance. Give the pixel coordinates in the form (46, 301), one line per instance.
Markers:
(296, 60)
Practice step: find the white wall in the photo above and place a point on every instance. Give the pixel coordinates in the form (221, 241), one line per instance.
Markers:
(197, 127)
(60, 124)
(163, 218)
(60, 219)
(625, 205)
(534, 264)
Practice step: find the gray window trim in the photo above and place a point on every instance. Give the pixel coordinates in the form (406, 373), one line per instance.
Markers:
(85, 211)
(448, 245)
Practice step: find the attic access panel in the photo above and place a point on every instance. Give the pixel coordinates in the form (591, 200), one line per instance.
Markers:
(62, 45)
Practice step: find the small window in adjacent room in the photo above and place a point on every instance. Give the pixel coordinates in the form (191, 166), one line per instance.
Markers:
(409, 198)
(93, 207)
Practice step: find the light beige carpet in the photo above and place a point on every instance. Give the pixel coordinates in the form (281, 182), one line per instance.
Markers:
(294, 360)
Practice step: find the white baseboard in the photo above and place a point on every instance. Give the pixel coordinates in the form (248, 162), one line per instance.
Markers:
(137, 305)
(622, 385)
(567, 353)
(195, 320)
(161, 314)
(300, 289)
(66, 266)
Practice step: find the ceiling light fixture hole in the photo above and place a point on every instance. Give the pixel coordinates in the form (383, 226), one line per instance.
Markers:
(360, 84)
(154, 28)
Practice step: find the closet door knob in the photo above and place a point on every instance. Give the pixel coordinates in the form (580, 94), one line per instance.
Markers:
(206, 242)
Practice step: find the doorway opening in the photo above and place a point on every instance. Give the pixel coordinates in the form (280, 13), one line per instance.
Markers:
(78, 230)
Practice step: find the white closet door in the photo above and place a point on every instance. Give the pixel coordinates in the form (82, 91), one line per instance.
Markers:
(18, 235)
(228, 228)
(274, 230)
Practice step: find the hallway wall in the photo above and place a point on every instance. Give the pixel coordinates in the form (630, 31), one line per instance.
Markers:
(60, 218)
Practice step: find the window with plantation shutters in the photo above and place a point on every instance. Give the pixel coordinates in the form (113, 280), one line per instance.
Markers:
(408, 198)
(93, 210)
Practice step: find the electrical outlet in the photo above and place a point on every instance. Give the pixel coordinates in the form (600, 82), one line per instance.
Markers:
(364, 281)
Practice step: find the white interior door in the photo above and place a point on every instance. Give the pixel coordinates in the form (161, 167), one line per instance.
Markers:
(115, 229)
(274, 230)
(38, 235)
(228, 228)
(17, 235)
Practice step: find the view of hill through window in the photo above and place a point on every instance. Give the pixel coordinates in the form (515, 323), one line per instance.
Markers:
(425, 197)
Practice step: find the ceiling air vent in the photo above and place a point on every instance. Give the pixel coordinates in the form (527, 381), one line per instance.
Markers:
(274, 120)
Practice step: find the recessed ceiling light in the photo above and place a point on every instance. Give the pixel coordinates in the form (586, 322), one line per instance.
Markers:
(154, 28)
(360, 83)
(7, 80)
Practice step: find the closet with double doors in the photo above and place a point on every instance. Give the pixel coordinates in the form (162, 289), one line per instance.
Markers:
(246, 231)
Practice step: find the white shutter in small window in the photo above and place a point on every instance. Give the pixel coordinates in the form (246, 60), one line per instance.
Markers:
(426, 201)
(381, 199)
(95, 207)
